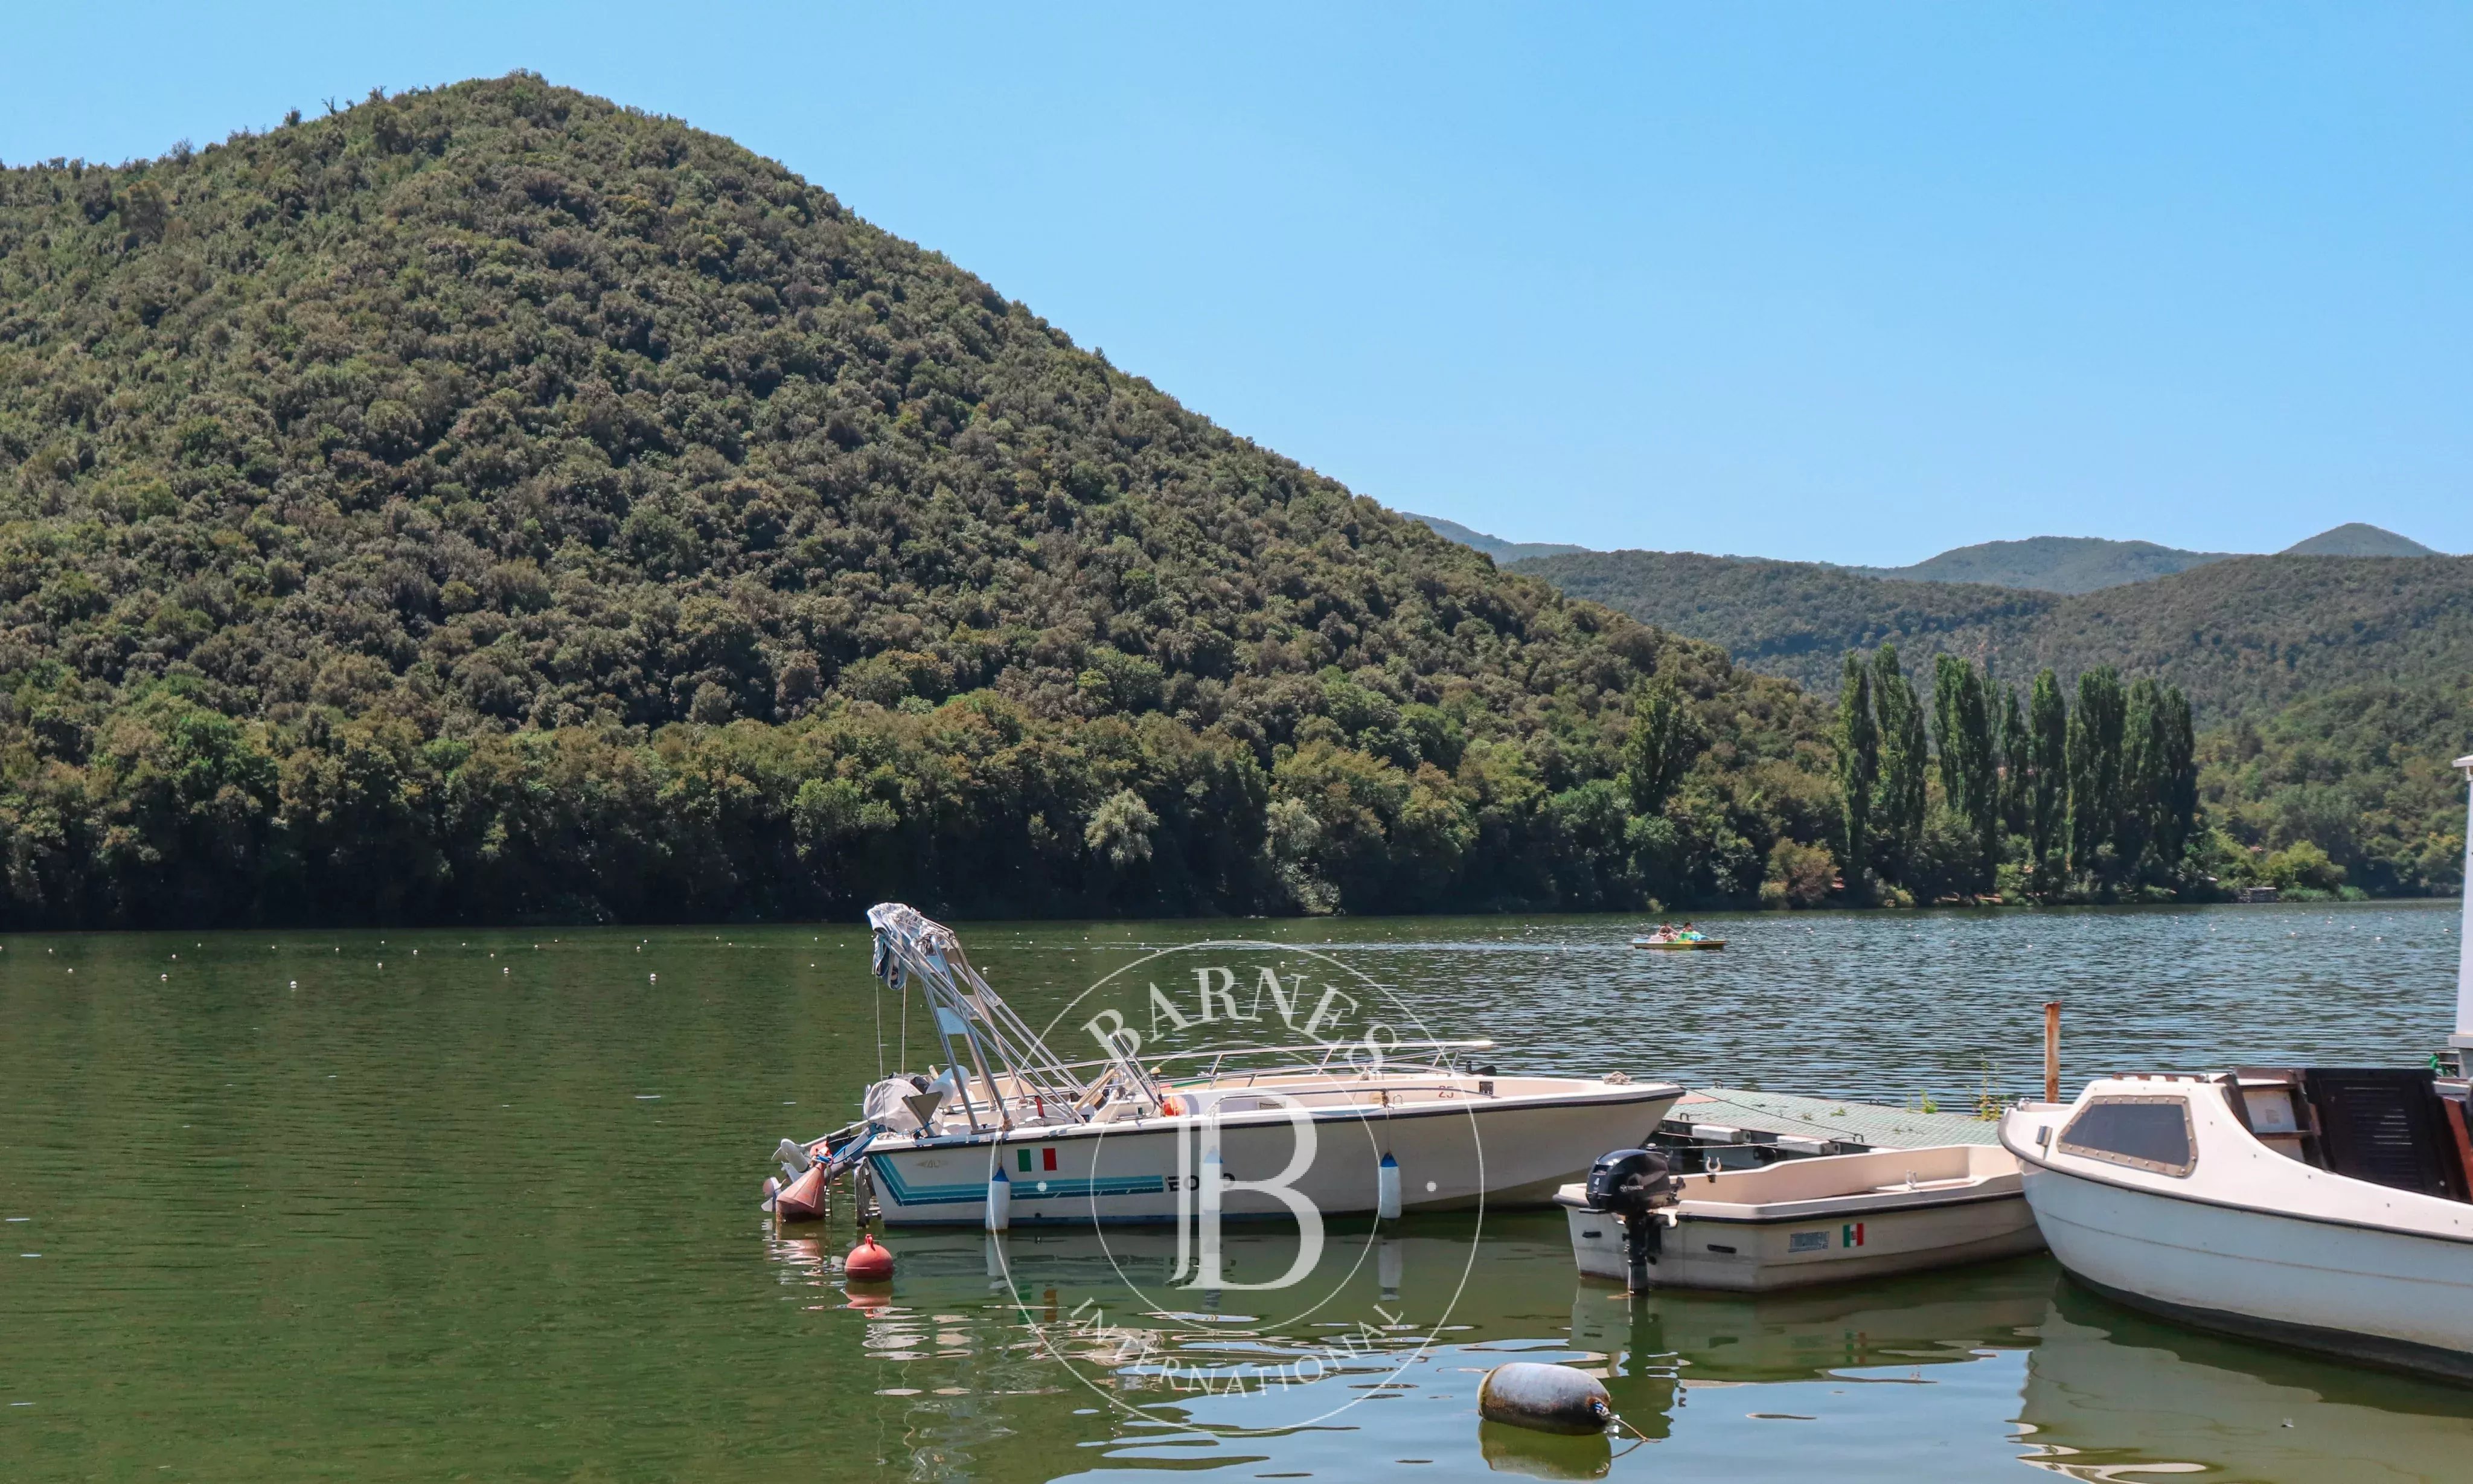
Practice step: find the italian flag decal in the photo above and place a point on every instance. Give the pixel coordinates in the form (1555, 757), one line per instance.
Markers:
(1851, 1234)
(1022, 1160)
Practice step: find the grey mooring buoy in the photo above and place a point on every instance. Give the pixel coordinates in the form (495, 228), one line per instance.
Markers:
(1544, 1398)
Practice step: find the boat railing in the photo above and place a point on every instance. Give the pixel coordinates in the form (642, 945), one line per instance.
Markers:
(1012, 1076)
(1316, 1057)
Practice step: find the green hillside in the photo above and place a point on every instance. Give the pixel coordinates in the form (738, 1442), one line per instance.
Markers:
(2244, 637)
(496, 503)
(2354, 538)
(2051, 563)
(2359, 776)
(1790, 618)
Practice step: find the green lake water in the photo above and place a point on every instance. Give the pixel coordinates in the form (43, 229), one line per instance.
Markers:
(482, 1204)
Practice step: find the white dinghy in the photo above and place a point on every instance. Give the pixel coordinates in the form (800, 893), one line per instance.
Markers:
(2325, 1207)
(1009, 1134)
(1833, 1219)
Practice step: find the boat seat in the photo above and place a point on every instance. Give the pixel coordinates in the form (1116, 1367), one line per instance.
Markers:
(2386, 1125)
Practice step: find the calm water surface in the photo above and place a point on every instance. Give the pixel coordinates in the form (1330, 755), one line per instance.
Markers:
(445, 1205)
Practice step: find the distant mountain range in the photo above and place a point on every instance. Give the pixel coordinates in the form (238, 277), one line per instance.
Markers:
(2353, 539)
(2039, 564)
(1495, 547)
(2053, 564)
(2244, 635)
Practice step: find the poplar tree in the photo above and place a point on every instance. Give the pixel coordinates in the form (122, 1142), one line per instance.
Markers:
(1858, 766)
(2142, 776)
(1904, 758)
(1970, 779)
(2178, 819)
(2046, 780)
(2096, 729)
(2017, 764)
(1660, 745)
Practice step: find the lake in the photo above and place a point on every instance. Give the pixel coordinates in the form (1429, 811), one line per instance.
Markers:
(482, 1205)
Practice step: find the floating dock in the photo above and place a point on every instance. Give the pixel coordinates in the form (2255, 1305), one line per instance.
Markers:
(1739, 1127)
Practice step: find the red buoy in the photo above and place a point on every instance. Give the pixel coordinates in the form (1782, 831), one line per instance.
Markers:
(804, 1198)
(867, 1262)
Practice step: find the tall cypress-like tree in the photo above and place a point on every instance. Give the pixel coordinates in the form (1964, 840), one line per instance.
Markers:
(1660, 745)
(2047, 794)
(2142, 777)
(2177, 818)
(1970, 779)
(1858, 767)
(2096, 729)
(2017, 763)
(1904, 758)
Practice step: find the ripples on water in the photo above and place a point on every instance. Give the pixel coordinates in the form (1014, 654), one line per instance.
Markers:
(487, 1211)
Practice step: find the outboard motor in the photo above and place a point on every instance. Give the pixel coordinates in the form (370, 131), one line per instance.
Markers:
(1638, 1186)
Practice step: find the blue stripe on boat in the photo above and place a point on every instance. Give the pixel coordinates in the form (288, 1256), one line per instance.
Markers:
(906, 1193)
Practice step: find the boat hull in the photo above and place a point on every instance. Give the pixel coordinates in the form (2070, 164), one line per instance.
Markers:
(2391, 1298)
(1451, 1155)
(1805, 1222)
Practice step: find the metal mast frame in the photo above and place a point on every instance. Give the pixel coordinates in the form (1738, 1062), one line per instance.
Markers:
(979, 1028)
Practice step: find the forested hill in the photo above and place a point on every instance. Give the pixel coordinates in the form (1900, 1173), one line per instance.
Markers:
(2241, 636)
(2051, 563)
(494, 502)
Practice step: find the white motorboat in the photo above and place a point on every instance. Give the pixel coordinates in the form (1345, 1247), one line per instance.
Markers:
(2324, 1207)
(1251, 1131)
(1800, 1222)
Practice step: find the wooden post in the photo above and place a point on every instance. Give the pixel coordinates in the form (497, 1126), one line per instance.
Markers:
(2052, 1051)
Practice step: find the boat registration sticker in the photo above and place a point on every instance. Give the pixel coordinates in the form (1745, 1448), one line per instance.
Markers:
(1851, 1234)
(1808, 1241)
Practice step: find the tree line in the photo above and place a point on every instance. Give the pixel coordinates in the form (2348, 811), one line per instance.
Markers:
(1977, 794)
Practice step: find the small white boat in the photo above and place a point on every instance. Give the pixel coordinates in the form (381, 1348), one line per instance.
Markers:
(1828, 1220)
(1012, 1126)
(2327, 1208)
(2322, 1209)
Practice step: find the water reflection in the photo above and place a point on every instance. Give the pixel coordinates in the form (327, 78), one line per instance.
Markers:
(2001, 1368)
(2111, 1392)
(505, 1219)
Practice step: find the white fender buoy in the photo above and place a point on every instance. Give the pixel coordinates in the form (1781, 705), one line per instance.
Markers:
(999, 1200)
(1387, 1188)
(1544, 1398)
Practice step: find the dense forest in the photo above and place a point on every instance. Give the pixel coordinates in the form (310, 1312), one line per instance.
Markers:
(1792, 618)
(494, 503)
(2050, 563)
(2343, 793)
(1979, 793)
(2245, 637)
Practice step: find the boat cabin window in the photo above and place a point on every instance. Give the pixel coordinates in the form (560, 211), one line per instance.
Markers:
(2143, 1133)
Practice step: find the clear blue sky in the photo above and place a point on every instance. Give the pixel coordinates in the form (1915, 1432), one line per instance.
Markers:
(1845, 282)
